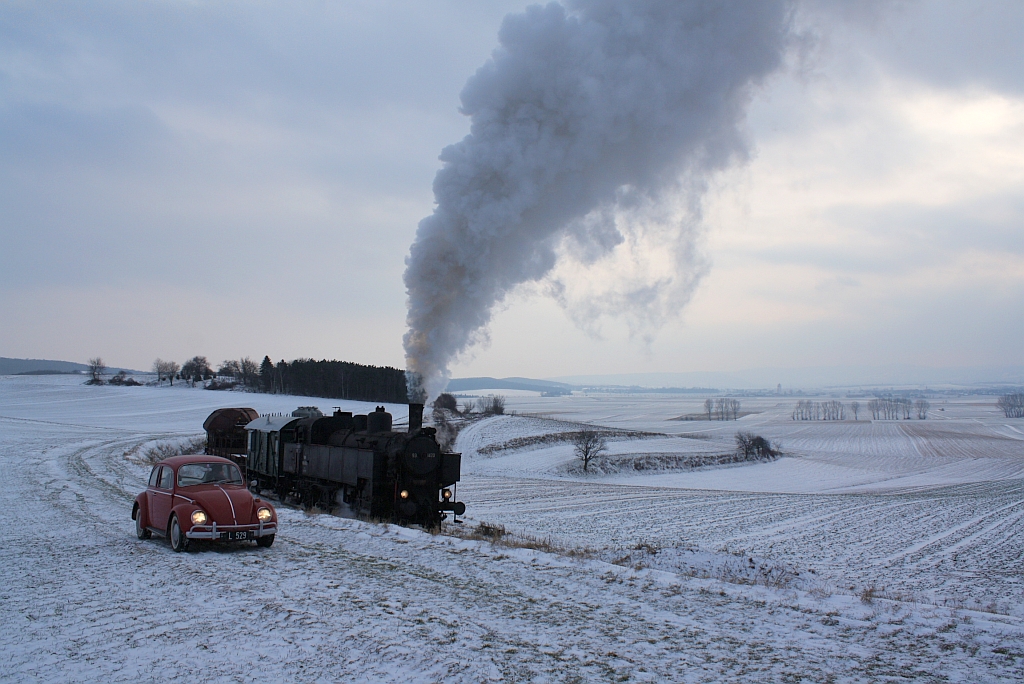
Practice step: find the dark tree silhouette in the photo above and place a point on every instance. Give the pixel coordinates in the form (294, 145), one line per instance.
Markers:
(588, 445)
(96, 369)
(447, 402)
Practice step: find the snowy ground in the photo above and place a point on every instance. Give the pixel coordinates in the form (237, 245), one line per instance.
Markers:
(344, 600)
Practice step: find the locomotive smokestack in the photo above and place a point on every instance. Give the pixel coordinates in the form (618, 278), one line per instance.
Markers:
(415, 417)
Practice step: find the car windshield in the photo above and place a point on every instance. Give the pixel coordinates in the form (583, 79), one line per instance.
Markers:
(208, 473)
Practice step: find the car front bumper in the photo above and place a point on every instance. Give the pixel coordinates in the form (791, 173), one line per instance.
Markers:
(228, 532)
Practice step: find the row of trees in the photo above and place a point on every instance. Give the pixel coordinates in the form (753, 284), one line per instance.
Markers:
(194, 370)
(895, 408)
(722, 409)
(493, 405)
(334, 379)
(823, 410)
(1012, 405)
(244, 371)
(304, 377)
(881, 408)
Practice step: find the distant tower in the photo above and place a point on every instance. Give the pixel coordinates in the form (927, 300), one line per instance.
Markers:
(778, 390)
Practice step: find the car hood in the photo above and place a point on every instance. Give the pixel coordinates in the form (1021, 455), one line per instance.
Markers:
(225, 504)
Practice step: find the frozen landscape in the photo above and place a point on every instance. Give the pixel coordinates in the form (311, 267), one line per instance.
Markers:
(870, 551)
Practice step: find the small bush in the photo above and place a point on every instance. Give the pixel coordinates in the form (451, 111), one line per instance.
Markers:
(162, 450)
(869, 594)
(447, 402)
(493, 405)
(755, 447)
(122, 379)
(489, 531)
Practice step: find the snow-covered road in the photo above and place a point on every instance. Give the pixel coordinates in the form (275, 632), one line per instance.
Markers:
(344, 600)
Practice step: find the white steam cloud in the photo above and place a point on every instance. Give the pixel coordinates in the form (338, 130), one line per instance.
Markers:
(595, 125)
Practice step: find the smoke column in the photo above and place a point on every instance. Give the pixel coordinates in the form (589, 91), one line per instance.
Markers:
(590, 116)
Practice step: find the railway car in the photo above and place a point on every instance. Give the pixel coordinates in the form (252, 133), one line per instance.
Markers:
(226, 435)
(357, 460)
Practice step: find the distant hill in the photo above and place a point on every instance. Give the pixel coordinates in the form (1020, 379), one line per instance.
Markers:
(36, 366)
(811, 377)
(528, 384)
(47, 367)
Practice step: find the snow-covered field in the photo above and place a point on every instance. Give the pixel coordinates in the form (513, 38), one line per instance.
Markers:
(925, 513)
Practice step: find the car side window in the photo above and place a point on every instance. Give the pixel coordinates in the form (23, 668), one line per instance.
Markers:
(153, 476)
(166, 478)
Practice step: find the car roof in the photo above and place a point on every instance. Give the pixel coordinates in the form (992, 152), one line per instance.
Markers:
(175, 461)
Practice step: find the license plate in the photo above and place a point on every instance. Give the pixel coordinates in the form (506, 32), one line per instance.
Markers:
(237, 536)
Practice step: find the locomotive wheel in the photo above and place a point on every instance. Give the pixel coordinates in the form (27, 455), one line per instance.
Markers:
(179, 542)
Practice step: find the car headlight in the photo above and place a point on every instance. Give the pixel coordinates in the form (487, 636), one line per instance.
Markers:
(264, 514)
(198, 517)
(446, 494)
(404, 494)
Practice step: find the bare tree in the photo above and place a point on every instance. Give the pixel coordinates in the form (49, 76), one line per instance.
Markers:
(708, 406)
(96, 369)
(467, 408)
(734, 408)
(231, 369)
(250, 372)
(922, 407)
(833, 410)
(172, 370)
(855, 407)
(1012, 405)
(720, 409)
(905, 407)
(588, 445)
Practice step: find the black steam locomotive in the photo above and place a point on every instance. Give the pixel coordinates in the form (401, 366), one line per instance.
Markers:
(357, 460)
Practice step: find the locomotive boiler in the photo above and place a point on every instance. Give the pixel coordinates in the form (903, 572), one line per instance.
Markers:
(357, 460)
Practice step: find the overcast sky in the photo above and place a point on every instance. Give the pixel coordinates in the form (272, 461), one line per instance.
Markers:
(241, 179)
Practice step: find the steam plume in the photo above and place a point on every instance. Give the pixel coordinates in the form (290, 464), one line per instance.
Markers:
(595, 125)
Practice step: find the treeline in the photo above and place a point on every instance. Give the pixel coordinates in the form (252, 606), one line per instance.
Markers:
(895, 408)
(333, 379)
(1012, 405)
(722, 409)
(303, 377)
(822, 410)
(881, 408)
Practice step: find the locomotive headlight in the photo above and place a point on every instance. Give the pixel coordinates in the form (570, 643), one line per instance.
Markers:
(263, 514)
(198, 517)
(404, 494)
(446, 494)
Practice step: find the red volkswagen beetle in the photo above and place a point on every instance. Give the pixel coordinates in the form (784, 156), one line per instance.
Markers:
(202, 497)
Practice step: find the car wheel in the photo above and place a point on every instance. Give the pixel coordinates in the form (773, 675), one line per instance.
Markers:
(265, 542)
(140, 531)
(179, 542)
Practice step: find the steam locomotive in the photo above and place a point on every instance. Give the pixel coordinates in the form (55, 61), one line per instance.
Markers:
(358, 460)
